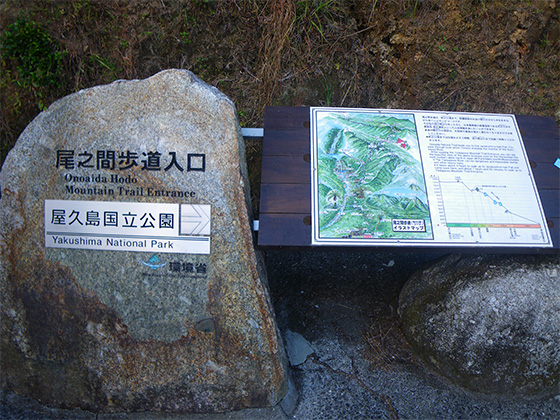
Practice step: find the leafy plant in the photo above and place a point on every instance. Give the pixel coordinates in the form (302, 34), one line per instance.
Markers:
(442, 46)
(35, 56)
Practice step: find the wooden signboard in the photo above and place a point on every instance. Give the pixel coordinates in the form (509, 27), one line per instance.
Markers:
(286, 215)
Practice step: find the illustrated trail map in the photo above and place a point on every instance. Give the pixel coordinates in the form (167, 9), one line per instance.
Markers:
(391, 177)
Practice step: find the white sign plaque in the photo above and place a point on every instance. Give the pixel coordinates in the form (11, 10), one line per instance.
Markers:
(395, 177)
(128, 226)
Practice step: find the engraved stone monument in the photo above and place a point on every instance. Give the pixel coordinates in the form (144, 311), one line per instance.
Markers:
(129, 278)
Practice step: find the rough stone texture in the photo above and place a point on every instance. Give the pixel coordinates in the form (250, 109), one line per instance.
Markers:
(490, 324)
(98, 329)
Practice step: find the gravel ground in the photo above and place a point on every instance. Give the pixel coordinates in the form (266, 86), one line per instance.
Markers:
(337, 313)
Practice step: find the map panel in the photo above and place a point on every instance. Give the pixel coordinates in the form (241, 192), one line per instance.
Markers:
(394, 177)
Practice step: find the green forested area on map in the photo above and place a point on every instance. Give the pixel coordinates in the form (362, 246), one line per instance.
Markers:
(369, 173)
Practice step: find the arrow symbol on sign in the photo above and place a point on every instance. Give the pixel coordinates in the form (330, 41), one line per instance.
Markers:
(195, 219)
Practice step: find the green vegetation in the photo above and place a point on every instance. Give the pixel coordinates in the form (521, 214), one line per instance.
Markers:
(32, 59)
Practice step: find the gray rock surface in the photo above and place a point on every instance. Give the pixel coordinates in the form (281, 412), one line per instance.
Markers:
(490, 324)
(110, 330)
(297, 348)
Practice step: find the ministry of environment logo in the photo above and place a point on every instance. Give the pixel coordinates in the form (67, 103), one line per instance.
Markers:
(154, 262)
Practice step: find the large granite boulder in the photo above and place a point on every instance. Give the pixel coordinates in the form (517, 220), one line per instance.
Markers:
(490, 324)
(128, 275)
